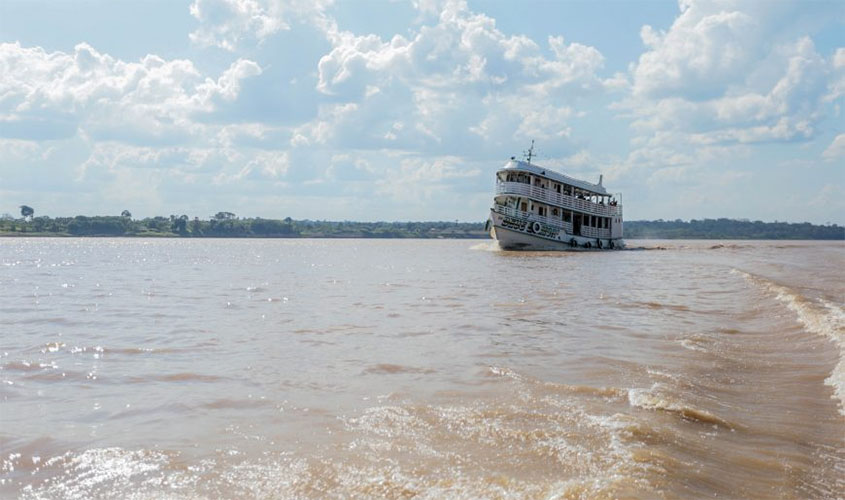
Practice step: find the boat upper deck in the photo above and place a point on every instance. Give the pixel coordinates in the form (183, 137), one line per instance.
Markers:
(519, 178)
(554, 176)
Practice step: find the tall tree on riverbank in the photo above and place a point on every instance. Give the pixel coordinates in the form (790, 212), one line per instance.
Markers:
(179, 225)
(27, 212)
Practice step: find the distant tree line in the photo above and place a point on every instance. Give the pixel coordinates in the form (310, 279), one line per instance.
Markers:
(228, 225)
(731, 229)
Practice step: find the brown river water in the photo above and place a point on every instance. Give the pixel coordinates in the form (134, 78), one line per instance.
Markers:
(137, 368)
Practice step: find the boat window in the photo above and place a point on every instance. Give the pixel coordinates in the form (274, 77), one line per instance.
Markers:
(555, 212)
(524, 207)
(567, 216)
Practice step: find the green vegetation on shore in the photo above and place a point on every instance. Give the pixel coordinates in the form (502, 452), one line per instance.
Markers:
(731, 229)
(228, 225)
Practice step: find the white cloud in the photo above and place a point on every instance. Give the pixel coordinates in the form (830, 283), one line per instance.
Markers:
(151, 100)
(228, 86)
(13, 150)
(106, 158)
(454, 84)
(727, 74)
(837, 84)
(227, 24)
(836, 149)
(420, 179)
(830, 199)
(321, 130)
(839, 58)
(152, 175)
(782, 94)
(706, 48)
(344, 168)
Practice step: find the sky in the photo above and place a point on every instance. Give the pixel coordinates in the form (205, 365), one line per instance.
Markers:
(403, 110)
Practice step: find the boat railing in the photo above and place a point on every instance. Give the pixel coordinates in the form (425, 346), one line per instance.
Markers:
(594, 232)
(559, 199)
(513, 212)
(587, 231)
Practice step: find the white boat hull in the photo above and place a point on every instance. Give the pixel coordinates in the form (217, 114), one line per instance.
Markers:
(520, 234)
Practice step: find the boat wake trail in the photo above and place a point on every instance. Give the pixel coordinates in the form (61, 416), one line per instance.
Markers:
(817, 316)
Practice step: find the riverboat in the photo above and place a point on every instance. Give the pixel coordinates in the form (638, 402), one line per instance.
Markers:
(538, 209)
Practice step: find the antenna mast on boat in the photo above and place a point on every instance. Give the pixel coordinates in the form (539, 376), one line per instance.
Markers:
(530, 153)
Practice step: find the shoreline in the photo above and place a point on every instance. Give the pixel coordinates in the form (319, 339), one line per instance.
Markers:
(362, 237)
(227, 225)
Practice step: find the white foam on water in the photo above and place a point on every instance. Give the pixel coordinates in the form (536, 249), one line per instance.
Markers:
(558, 445)
(486, 246)
(693, 344)
(655, 398)
(816, 316)
(148, 474)
(553, 440)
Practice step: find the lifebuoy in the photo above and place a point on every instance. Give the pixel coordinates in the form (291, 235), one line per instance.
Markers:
(536, 227)
(588, 245)
(610, 245)
(573, 243)
(598, 243)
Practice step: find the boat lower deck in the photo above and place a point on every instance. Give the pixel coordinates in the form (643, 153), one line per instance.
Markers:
(522, 234)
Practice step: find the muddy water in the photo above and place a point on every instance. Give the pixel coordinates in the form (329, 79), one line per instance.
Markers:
(426, 369)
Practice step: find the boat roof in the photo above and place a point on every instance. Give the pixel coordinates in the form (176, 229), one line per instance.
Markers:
(551, 174)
